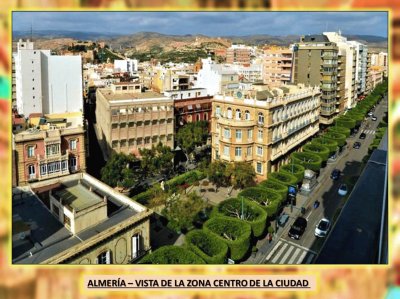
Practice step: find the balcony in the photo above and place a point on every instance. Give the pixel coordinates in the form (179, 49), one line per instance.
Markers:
(328, 88)
(235, 122)
(328, 96)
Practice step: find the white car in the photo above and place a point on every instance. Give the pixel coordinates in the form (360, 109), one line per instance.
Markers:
(370, 113)
(322, 228)
(342, 190)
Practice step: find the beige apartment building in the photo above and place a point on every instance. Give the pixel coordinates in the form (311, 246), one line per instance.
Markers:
(263, 127)
(341, 82)
(277, 66)
(129, 119)
(316, 64)
(238, 54)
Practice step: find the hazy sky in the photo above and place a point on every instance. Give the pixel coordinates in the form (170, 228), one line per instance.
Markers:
(208, 23)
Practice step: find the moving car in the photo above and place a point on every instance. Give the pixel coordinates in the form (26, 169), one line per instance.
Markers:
(374, 118)
(357, 145)
(342, 190)
(297, 228)
(363, 135)
(322, 228)
(335, 174)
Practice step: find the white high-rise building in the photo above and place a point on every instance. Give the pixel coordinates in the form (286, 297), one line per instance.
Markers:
(351, 66)
(127, 65)
(46, 83)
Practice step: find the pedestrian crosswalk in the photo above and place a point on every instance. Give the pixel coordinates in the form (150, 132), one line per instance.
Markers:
(371, 132)
(286, 252)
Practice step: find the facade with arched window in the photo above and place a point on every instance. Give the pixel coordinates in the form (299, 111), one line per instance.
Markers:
(263, 127)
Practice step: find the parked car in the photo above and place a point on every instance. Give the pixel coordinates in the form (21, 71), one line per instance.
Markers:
(363, 135)
(322, 228)
(297, 228)
(374, 118)
(335, 174)
(342, 190)
(357, 145)
(370, 113)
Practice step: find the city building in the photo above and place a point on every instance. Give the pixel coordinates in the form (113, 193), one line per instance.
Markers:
(53, 145)
(238, 54)
(216, 78)
(348, 50)
(132, 119)
(361, 67)
(46, 83)
(380, 59)
(170, 79)
(77, 219)
(263, 127)
(341, 82)
(311, 70)
(250, 73)
(190, 105)
(126, 66)
(277, 66)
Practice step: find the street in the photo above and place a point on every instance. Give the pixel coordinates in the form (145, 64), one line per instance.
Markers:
(288, 251)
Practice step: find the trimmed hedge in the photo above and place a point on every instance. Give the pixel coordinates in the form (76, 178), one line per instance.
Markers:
(339, 138)
(345, 122)
(294, 169)
(278, 187)
(329, 143)
(144, 197)
(257, 215)
(186, 178)
(283, 178)
(340, 130)
(238, 230)
(317, 149)
(171, 254)
(259, 195)
(207, 246)
(308, 160)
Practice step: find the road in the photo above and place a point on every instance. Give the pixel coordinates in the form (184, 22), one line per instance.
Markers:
(303, 251)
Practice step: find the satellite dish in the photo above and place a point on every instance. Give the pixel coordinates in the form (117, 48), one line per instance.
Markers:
(239, 95)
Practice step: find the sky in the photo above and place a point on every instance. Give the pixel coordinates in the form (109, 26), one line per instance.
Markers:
(207, 23)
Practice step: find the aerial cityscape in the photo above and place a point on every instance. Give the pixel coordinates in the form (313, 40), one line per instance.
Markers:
(224, 141)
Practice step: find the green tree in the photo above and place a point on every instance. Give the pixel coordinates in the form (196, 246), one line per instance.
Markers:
(192, 135)
(217, 174)
(157, 160)
(116, 172)
(182, 210)
(242, 174)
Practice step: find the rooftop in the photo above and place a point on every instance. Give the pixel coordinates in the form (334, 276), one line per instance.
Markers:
(147, 95)
(77, 197)
(48, 237)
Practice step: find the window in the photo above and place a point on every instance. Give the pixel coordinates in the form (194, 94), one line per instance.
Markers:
(260, 135)
(147, 140)
(52, 149)
(218, 111)
(64, 165)
(56, 211)
(238, 114)
(205, 116)
(247, 115)
(197, 117)
(238, 134)
(67, 221)
(226, 150)
(72, 144)
(72, 163)
(229, 113)
(31, 151)
(250, 134)
(259, 167)
(104, 258)
(31, 171)
(238, 151)
(227, 133)
(53, 167)
(114, 144)
(43, 169)
(249, 151)
(259, 151)
(260, 118)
